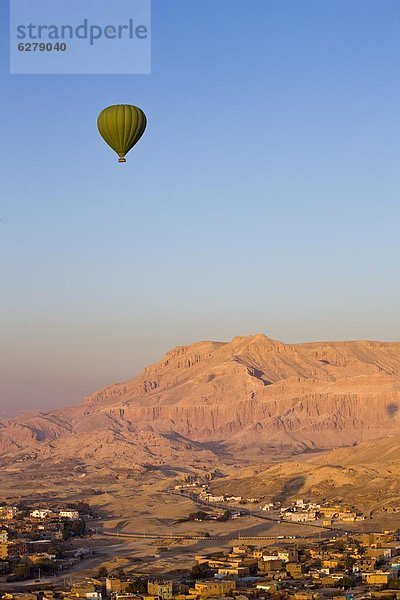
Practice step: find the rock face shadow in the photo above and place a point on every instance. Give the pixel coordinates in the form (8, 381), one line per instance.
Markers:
(291, 487)
(392, 409)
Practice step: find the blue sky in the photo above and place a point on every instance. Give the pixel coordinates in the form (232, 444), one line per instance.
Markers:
(263, 197)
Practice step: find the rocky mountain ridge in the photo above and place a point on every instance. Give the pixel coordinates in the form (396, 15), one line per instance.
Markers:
(251, 392)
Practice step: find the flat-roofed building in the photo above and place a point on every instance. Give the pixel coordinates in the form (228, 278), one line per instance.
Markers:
(161, 588)
(377, 578)
(207, 589)
(3, 536)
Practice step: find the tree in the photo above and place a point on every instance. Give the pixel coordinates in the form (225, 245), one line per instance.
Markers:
(139, 586)
(350, 562)
(226, 515)
(82, 507)
(199, 570)
(55, 550)
(198, 516)
(45, 567)
(73, 529)
(345, 582)
(393, 584)
(339, 545)
(23, 571)
(102, 572)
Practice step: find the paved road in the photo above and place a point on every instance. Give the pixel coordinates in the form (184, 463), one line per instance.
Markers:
(173, 536)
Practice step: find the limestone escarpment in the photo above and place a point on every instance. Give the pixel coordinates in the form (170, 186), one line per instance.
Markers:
(250, 391)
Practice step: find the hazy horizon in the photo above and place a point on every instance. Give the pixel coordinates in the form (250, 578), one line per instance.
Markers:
(263, 197)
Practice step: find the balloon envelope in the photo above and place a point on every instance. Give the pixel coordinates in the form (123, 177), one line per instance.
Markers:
(121, 126)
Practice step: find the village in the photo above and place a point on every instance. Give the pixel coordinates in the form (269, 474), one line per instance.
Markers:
(345, 568)
(325, 514)
(35, 550)
(35, 541)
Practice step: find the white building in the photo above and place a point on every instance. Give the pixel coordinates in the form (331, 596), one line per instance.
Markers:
(69, 514)
(267, 557)
(40, 513)
(300, 517)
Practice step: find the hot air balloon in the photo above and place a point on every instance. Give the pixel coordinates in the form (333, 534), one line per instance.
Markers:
(121, 126)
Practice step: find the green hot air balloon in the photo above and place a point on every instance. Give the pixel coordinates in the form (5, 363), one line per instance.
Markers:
(121, 126)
